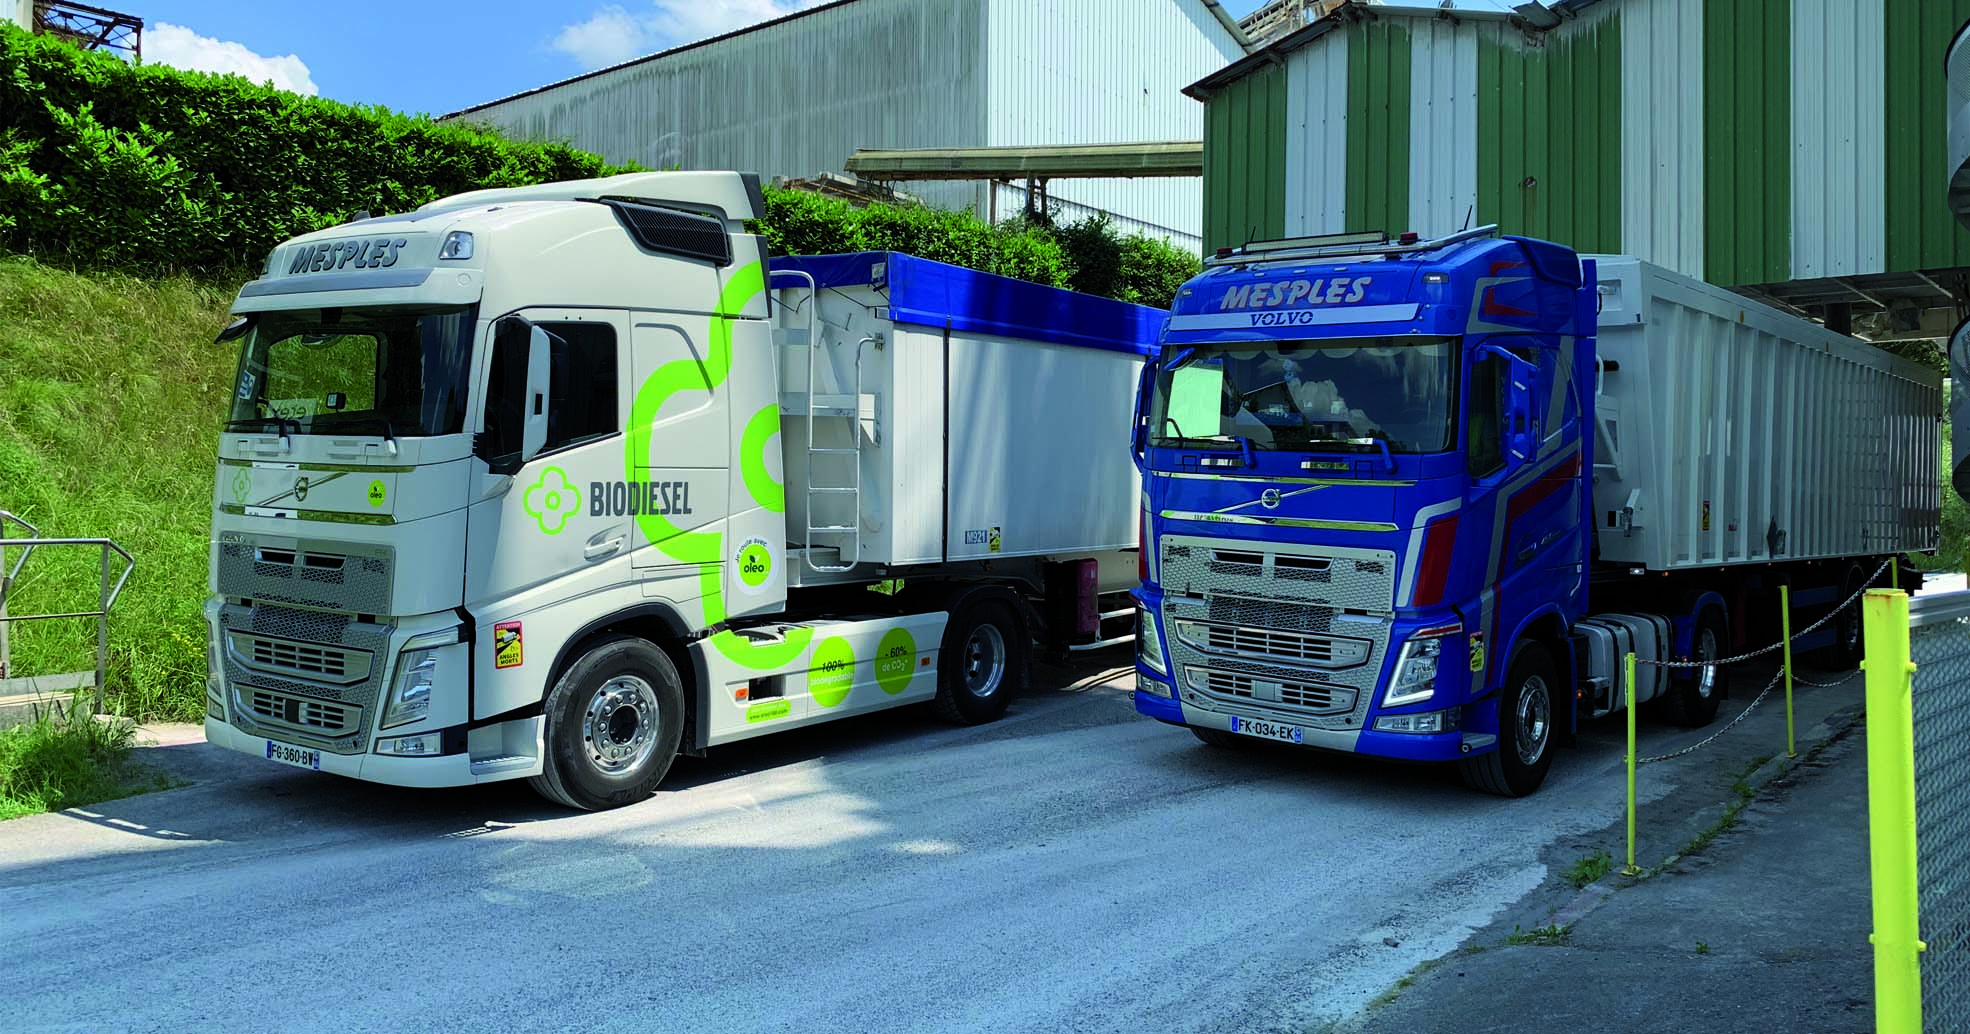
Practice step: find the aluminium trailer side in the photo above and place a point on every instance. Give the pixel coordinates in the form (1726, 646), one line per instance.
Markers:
(1729, 432)
(989, 418)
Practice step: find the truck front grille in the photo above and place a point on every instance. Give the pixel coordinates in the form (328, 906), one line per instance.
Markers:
(1307, 696)
(1275, 644)
(317, 716)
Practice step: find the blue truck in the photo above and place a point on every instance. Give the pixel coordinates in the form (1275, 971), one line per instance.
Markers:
(1417, 499)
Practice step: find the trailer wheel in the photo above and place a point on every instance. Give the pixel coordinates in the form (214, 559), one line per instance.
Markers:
(1692, 701)
(1525, 729)
(981, 664)
(614, 722)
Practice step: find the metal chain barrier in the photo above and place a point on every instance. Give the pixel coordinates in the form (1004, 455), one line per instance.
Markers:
(1780, 645)
(1712, 738)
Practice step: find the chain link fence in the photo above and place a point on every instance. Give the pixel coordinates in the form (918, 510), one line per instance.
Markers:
(1939, 647)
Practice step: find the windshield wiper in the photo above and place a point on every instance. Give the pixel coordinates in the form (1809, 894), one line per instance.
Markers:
(389, 432)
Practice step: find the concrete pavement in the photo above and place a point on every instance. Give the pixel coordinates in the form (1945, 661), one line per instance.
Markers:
(1072, 867)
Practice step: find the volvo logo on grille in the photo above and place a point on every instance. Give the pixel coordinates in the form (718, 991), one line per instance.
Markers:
(1270, 499)
(300, 489)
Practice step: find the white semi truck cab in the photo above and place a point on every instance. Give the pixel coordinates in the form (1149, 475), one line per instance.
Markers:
(558, 482)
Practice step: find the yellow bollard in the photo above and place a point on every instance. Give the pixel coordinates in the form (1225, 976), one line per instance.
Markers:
(1891, 815)
(1785, 625)
(1632, 869)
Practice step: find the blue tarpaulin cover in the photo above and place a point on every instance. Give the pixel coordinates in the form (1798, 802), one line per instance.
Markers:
(927, 293)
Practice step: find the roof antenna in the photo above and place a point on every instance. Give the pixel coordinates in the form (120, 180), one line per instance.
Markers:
(1468, 212)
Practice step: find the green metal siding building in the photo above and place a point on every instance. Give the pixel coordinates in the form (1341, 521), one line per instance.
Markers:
(1793, 149)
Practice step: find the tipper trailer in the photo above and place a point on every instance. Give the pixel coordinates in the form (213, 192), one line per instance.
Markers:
(1418, 499)
(557, 482)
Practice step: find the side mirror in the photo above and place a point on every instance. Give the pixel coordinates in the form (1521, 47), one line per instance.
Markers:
(1139, 433)
(534, 437)
(1520, 438)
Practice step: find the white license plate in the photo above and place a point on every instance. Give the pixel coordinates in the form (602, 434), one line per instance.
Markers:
(1268, 730)
(299, 757)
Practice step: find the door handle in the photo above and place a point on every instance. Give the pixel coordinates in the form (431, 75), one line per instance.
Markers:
(598, 550)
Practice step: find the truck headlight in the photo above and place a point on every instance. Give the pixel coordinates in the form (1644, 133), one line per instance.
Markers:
(1149, 642)
(1415, 668)
(410, 697)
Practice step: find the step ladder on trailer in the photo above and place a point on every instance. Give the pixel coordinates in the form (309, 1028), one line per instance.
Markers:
(844, 538)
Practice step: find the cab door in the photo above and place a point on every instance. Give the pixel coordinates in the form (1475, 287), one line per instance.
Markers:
(550, 442)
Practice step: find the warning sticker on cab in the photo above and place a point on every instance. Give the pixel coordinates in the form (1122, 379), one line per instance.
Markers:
(506, 645)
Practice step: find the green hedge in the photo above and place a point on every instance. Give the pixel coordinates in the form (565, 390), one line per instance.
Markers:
(106, 165)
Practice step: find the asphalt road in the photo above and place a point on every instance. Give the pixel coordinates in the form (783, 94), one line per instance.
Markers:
(1073, 867)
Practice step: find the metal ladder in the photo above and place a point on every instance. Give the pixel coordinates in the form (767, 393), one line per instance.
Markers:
(847, 538)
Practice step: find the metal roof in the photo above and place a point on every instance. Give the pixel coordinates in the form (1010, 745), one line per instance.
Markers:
(1183, 158)
(1534, 15)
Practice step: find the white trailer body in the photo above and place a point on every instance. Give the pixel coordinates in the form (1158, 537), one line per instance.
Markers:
(1729, 432)
(557, 482)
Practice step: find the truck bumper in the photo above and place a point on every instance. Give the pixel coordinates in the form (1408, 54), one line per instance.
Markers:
(426, 772)
(1396, 746)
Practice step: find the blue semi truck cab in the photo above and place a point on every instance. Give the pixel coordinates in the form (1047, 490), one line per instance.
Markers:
(1373, 511)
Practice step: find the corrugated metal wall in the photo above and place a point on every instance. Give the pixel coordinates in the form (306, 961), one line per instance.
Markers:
(1921, 234)
(797, 98)
(1661, 161)
(1839, 149)
(1245, 160)
(1548, 136)
(1104, 71)
(1740, 141)
(1316, 138)
(785, 100)
(1443, 127)
(1378, 106)
(1747, 133)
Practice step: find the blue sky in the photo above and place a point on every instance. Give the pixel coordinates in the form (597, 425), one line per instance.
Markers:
(435, 56)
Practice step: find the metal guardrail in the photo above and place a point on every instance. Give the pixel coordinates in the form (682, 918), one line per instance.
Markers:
(106, 593)
(1918, 718)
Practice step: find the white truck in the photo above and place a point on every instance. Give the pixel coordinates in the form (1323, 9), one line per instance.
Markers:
(558, 482)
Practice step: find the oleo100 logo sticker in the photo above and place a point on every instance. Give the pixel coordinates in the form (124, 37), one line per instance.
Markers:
(755, 565)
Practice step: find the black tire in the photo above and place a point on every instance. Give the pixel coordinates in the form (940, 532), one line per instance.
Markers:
(1694, 694)
(1531, 686)
(1849, 645)
(1220, 738)
(625, 695)
(982, 663)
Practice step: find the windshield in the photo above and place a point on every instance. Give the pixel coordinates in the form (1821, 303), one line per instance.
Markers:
(398, 372)
(1352, 394)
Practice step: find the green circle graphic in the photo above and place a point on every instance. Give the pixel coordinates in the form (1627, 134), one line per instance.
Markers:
(377, 493)
(896, 660)
(755, 564)
(833, 672)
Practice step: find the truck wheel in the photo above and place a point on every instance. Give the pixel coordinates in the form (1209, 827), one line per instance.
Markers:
(614, 722)
(1525, 729)
(981, 664)
(1692, 701)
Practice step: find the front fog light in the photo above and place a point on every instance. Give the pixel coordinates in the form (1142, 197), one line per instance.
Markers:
(1423, 724)
(1149, 642)
(1151, 687)
(410, 699)
(427, 745)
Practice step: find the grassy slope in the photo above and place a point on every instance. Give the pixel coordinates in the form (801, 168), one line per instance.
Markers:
(111, 390)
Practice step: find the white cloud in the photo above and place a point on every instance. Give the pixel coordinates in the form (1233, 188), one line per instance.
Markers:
(179, 47)
(614, 34)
